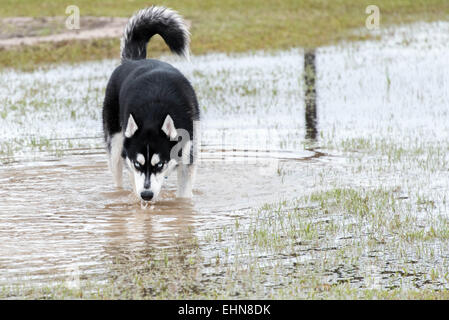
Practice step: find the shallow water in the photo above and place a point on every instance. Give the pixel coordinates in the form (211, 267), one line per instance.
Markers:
(58, 206)
(63, 213)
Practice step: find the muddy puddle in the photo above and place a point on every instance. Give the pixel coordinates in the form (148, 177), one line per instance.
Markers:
(352, 159)
(63, 213)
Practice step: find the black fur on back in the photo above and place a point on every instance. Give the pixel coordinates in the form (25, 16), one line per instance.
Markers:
(149, 90)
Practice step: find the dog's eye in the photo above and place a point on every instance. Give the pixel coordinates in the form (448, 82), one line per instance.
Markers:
(137, 165)
(159, 165)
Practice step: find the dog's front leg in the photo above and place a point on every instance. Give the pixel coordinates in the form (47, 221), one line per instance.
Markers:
(117, 172)
(115, 159)
(187, 169)
(186, 176)
(133, 182)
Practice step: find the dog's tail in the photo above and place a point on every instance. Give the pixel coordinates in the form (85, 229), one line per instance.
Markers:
(150, 21)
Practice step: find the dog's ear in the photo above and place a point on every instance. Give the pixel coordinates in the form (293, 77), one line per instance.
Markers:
(131, 127)
(169, 128)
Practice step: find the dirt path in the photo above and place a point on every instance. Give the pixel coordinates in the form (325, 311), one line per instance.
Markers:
(16, 31)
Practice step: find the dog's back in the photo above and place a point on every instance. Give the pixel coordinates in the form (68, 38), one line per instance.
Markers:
(136, 82)
(138, 32)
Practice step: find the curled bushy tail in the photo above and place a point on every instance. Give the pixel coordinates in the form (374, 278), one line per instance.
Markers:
(150, 21)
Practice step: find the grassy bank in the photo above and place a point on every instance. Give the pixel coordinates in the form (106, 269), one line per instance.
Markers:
(224, 26)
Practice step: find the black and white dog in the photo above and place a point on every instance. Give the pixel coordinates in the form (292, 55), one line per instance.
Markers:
(150, 112)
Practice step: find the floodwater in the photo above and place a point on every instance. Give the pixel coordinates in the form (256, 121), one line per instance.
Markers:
(58, 214)
(266, 137)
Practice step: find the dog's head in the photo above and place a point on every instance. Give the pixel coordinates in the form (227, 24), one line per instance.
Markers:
(146, 150)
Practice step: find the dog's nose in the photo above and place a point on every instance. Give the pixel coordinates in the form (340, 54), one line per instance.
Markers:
(146, 195)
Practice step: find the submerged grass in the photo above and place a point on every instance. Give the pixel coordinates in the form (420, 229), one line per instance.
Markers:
(225, 26)
(389, 151)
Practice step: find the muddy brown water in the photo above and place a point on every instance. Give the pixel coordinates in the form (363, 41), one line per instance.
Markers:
(61, 213)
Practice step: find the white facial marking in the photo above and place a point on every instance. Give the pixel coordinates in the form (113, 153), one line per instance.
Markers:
(156, 180)
(169, 128)
(155, 159)
(156, 183)
(131, 127)
(138, 178)
(140, 159)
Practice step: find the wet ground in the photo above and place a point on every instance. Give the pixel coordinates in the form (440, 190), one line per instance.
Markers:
(276, 212)
(16, 31)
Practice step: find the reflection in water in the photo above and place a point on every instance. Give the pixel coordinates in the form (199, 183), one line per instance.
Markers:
(310, 94)
(133, 229)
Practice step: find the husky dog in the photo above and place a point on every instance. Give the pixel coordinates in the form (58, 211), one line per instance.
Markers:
(150, 111)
